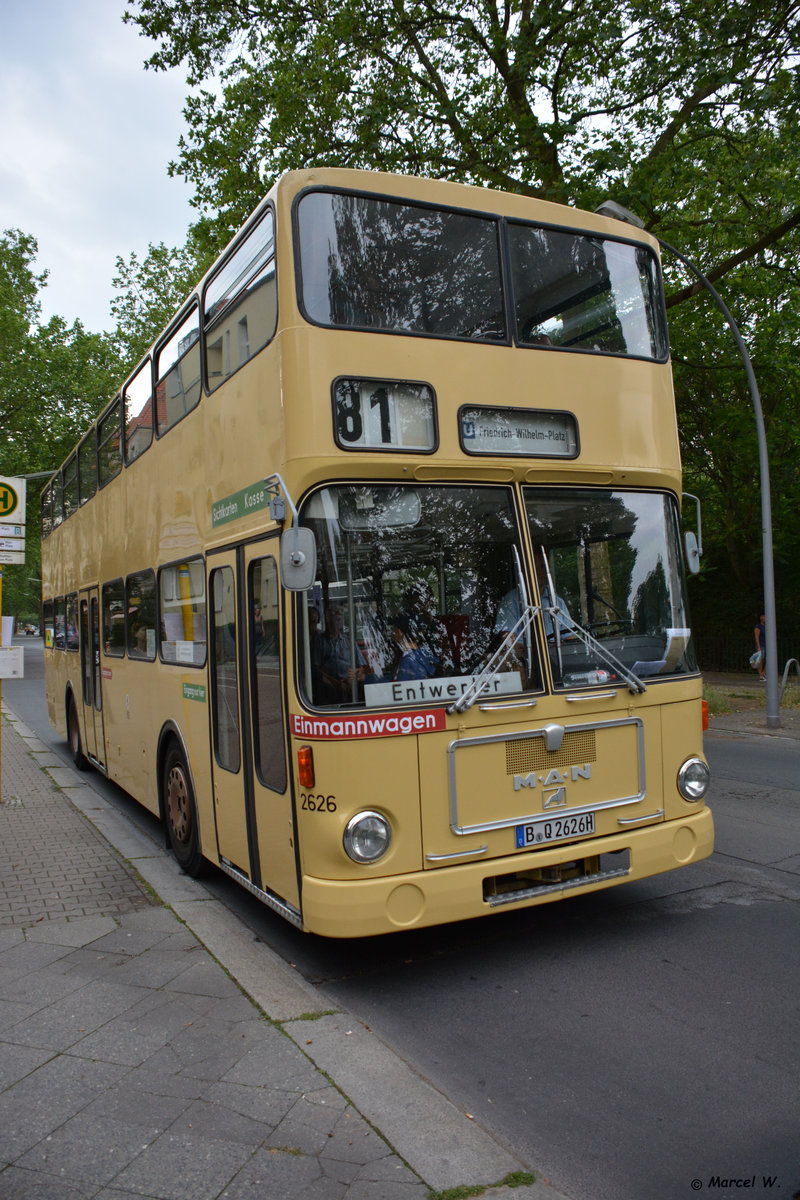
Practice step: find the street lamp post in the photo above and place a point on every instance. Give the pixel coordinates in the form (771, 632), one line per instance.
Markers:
(610, 209)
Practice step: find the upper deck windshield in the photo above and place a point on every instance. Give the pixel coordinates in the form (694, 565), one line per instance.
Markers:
(421, 589)
(376, 264)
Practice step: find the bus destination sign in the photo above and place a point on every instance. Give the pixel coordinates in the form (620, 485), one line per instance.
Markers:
(535, 433)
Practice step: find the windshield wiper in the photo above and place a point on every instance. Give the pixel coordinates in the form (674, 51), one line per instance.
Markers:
(563, 620)
(519, 629)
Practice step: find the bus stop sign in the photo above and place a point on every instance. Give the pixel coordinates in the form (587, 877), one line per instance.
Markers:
(12, 503)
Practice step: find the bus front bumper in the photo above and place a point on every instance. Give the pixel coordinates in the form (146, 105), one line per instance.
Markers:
(375, 905)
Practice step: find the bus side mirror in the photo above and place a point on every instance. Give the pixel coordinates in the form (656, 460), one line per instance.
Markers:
(298, 559)
(692, 552)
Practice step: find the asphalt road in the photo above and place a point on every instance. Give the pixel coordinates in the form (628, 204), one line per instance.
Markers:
(635, 1043)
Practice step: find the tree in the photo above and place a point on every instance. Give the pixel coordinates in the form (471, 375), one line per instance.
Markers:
(54, 379)
(668, 104)
(150, 292)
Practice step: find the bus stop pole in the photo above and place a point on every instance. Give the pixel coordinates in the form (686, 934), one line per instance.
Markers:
(773, 701)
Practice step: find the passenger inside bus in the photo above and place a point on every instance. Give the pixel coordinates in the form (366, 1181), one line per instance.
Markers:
(417, 661)
(332, 659)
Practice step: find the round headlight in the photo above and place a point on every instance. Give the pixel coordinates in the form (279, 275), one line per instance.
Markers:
(367, 837)
(693, 779)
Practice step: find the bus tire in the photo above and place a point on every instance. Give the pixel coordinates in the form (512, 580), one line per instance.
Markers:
(180, 813)
(74, 737)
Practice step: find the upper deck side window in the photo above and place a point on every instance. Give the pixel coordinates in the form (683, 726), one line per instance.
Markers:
(380, 264)
(109, 443)
(70, 497)
(240, 304)
(87, 467)
(47, 510)
(178, 372)
(137, 397)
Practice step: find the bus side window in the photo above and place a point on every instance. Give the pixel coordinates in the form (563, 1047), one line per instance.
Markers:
(109, 448)
(59, 639)
(58, 500)
(47, 621)
(224, 682)
(178, 373)
(137, 396)
(47, 511)
(87, 467)
(113, 617)
(72, 622)
(182, 613)
(71, 486)
(140, 607)
(240, 306)
(263, 604)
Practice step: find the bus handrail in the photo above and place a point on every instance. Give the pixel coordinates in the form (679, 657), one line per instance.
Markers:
(789, 663)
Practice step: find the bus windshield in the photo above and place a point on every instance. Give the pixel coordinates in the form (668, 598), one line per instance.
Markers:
(420, 590)
(377, 264)
(416, 588)
(610, 563)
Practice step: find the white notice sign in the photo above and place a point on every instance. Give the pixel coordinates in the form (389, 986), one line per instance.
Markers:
(11, 662)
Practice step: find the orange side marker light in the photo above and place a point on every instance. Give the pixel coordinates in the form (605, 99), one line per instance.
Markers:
(305, 766)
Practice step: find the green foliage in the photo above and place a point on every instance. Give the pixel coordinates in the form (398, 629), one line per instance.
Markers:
(465, 1192)
(53, 380)
(150, 291)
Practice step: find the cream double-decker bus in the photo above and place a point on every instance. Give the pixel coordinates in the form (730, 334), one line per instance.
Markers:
(370, 580)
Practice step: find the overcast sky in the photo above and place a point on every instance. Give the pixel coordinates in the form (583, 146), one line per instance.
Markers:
(85, 138)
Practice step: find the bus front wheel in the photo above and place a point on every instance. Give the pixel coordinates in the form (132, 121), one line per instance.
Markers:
(74, 736)
(180, 813)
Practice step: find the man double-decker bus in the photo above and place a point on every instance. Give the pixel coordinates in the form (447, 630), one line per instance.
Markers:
(370, 579)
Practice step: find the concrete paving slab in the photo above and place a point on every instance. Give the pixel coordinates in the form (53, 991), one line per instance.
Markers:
(86, 800)
(281, 992)
(166, 878)
(80, 932)
(446, 1148)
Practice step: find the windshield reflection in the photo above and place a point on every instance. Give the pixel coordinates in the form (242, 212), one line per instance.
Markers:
(416, 589)
(377, 264)
(422, 596)
(612, 565)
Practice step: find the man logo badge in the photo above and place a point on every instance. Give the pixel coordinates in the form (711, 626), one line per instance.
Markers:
(557, 798)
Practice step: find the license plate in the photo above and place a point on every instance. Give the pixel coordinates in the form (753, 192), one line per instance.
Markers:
(554, 829)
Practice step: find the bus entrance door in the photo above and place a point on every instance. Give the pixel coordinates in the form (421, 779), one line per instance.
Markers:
(91, 683)
(252, 804)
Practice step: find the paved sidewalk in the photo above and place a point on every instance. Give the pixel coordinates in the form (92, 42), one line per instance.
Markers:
(148, 1049)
